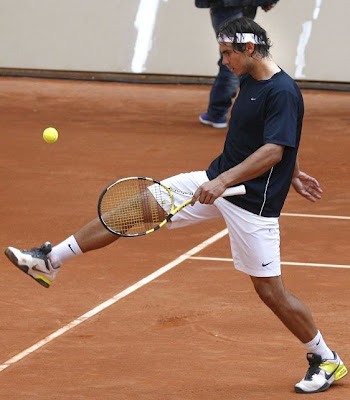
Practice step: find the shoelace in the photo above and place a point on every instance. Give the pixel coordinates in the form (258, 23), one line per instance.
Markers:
(313, 369)
(39, 252)
(44, 249)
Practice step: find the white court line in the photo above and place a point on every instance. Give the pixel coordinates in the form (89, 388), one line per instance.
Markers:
(282, 262)
(316, 216)
(113, 300)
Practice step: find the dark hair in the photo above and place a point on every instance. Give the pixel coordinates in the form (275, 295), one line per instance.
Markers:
(234, 26)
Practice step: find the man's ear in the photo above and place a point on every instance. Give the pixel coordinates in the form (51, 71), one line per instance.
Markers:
(249, 48)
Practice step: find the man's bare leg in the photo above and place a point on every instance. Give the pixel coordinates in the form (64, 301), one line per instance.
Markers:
(94, 236)
(293, 313)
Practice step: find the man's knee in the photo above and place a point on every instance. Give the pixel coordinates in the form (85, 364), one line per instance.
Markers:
(270, 290)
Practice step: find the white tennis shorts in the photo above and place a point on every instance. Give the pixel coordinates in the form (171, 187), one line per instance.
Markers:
(255, 240)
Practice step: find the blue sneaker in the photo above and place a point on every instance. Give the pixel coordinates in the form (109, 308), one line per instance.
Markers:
(207, 120)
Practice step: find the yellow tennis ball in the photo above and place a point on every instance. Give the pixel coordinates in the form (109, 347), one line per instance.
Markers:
(50, 135)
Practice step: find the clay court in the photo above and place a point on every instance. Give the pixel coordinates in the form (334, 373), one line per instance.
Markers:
(195, 330)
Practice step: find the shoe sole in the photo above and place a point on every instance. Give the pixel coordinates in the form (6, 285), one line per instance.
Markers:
(322, 389)
(24, 268)
(217, 125)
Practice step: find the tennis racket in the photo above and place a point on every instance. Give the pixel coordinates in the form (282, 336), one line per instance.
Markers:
(138, 206)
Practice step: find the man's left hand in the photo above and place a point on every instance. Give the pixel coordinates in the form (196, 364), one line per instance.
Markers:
(307, 186)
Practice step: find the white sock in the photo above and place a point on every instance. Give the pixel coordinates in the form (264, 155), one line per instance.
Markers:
(318, 346)
(65, 250)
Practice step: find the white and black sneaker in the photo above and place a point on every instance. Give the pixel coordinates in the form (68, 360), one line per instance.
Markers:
(321, 373)
(34, 262)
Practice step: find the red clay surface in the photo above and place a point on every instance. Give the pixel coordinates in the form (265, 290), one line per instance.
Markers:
(198, 332)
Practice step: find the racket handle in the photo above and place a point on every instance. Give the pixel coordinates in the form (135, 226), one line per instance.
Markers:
(234, 191)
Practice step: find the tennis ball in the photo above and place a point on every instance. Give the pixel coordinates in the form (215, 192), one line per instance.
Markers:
(50, 135)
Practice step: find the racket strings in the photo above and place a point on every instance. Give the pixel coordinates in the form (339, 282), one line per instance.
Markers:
(130, 207)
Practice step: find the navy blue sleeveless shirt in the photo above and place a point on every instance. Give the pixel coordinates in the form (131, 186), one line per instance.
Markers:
(268, 111)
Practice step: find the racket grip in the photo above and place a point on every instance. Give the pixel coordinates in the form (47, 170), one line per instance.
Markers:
(234, 191)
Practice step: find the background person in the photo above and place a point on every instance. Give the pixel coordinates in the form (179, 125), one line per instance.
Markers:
(226, 83)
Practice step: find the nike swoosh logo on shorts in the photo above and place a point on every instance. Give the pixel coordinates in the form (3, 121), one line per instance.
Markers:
(265, 265)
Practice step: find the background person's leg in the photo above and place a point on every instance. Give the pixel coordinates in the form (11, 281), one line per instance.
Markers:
(226, 83)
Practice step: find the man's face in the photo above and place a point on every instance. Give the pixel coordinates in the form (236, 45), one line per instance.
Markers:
(237, 62)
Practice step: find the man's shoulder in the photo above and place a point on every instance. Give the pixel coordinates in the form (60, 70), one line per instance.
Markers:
(283, 81)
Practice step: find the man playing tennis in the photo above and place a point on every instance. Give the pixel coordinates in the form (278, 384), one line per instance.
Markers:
(260, 151)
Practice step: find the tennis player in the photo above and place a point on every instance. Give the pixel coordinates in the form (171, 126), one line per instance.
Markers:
(260, 151)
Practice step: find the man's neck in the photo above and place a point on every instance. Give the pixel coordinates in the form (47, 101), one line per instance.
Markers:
(264, 69)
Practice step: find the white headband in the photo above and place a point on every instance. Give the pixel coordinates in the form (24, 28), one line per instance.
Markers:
(241, 38)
